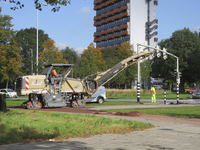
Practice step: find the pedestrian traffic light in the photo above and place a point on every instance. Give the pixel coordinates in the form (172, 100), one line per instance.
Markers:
(164, 54)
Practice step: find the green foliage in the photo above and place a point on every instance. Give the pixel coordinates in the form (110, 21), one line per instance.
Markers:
(26, 38)
(185, 45)
(73, 58)
(10, 53)
(91, 62)
(145, 70)
(50, 55)
(55, 3)
(128, 75)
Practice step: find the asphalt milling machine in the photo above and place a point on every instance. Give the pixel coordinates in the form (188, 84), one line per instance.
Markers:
(68, 91)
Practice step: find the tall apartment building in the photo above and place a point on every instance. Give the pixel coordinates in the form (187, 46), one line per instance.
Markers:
(118, 21)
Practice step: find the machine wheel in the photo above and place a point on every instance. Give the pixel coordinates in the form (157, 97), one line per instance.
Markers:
(100, 100)
(28, 106)
(74, 104)
(67, 104)
(23, 105)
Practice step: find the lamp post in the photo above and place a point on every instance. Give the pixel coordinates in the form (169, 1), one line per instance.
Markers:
(37, 42)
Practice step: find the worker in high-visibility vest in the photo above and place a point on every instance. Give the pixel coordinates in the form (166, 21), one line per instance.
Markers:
(153, 94)
(54, 75)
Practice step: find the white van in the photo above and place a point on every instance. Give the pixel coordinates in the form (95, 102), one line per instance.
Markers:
(99, 96)
(9, 93)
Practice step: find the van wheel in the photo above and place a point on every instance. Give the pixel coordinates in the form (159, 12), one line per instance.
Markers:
(100, 100)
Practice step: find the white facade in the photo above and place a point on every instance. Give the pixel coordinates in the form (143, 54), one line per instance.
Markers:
(138, 18)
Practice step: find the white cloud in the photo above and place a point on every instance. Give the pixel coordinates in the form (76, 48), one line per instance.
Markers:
(84, 10)
(197, 29)
(80, 49)
(64, 45)
(61, 45)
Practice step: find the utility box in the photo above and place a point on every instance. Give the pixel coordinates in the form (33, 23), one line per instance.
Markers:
(2, 102)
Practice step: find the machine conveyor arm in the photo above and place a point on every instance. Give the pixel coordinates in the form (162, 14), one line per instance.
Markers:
(104, 77)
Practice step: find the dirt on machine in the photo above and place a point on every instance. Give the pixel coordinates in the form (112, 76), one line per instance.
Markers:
(68, 91)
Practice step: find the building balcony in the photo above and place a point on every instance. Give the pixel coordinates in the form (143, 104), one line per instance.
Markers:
(113, 30)
(114, 42)
(97, 1)
(112, 13)
(112, 18)
(104, 4)
(112, 36)
(112, 25)
(111, 8)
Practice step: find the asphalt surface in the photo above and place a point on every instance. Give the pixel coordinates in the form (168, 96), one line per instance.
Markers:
(166, 135)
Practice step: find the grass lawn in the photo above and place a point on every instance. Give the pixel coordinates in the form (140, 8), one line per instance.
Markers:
(15, 102)
(32, 125)
(148, 96)
(188, 112)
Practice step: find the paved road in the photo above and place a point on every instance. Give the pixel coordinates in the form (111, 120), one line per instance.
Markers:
(165, 135)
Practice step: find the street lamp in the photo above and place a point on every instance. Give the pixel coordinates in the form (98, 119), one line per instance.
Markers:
(37, 42)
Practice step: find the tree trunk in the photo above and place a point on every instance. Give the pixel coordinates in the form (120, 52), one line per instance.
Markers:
(170, 86)
(7, 84)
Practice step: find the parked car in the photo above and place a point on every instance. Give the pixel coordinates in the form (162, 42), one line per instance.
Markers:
(191, 90)
(99, 96)
(196, 94)
(9, 93)
(158, 88)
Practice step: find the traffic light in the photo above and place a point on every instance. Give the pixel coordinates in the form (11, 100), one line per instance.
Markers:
(164, 54)
(157, 51)
(175, 72)
(180, 74)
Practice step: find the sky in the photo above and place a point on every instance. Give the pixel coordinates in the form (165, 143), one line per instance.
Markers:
(73, 26)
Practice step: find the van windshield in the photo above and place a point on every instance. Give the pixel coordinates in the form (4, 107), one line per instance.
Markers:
(9, 90)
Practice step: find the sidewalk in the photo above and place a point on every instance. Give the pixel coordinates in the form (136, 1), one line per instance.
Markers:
(165, 135)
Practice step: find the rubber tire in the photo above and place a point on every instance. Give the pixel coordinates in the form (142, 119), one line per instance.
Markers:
(23, 105)
(28, 106)
(100, 100)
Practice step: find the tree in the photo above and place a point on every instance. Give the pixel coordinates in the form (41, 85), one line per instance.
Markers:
(145, 70)
(26, 38)
(73, 58)
(92, 61)
(38, 5)
(128, 75)
(9, 51)
(111, 59)
(50, 55)
(185, 45)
